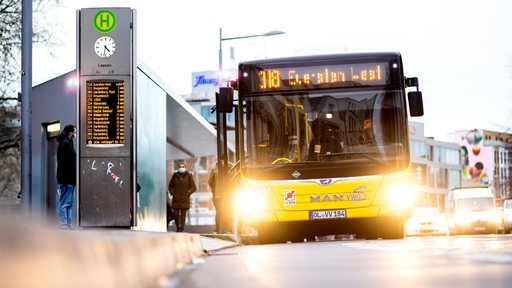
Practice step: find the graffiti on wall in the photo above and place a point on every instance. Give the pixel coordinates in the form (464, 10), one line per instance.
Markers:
(474, 161)
(106, 169)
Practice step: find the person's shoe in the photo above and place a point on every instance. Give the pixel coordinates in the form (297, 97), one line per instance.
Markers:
(67, 226)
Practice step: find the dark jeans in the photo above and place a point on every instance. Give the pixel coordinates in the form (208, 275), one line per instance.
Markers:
(170, 216)
(180, 216)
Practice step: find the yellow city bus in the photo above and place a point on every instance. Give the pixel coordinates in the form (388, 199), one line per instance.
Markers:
(323, 146)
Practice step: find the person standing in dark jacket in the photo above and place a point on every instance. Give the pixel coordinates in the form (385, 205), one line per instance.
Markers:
(66, 174)
(181, 186)
(221, 200)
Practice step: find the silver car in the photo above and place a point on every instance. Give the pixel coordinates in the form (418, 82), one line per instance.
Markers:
(426, 220)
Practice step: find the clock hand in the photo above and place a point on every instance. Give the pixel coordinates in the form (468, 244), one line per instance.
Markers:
(106, 48)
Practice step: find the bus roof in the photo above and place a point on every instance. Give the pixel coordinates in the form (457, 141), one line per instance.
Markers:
(322, 57)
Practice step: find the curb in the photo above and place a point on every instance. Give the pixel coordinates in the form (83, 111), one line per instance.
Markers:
(39, 257)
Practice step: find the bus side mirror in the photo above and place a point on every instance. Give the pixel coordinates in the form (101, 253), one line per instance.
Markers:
(415, 103)
(224, 100)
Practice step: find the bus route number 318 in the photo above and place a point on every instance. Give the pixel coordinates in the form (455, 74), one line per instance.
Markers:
(327, 214)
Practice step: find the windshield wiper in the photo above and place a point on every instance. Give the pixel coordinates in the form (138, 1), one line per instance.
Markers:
(347, 156)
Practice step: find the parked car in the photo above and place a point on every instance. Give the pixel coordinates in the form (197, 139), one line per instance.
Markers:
(426, 220)
(472, 210)
(507, 215)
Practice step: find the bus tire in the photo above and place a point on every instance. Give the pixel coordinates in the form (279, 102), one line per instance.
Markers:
(269, 236)
(394, 232)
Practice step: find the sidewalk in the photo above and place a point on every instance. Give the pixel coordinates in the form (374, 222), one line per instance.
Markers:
(50, 257)
(213, 242)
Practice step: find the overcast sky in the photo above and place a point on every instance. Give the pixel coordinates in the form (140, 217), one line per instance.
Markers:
(461, 50)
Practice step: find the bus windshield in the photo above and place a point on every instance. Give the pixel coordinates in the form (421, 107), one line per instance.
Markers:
(359, 131)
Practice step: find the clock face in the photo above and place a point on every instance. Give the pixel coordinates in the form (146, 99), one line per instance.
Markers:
(105, 46)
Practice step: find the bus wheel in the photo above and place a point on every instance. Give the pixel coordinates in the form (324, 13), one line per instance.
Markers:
(393, 234)
(267, 238)
(271, 235)
(391, 231)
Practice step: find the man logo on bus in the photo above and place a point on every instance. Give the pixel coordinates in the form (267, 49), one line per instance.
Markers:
(325, 181)
(289, 197)
(353, 197)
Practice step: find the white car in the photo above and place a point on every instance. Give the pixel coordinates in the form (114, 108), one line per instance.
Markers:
(426, 220)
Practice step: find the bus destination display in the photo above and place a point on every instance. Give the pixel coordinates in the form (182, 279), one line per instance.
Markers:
(105, 112)
(326, 76)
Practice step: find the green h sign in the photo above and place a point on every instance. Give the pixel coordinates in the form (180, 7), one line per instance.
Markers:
(104, 21)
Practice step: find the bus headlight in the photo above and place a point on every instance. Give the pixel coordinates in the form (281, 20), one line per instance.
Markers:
(401, 194)
(252, 200)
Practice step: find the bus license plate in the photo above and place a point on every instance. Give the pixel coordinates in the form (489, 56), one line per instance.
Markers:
(327, 214)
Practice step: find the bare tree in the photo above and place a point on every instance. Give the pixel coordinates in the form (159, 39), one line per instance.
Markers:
(10, 81)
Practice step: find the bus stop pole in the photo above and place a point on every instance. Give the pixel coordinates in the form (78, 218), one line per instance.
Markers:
(222, 164)
(26, 110)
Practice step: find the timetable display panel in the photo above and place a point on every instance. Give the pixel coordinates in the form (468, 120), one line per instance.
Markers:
(105, 108)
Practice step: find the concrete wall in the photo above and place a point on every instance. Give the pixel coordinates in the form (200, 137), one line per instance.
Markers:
(53, 100)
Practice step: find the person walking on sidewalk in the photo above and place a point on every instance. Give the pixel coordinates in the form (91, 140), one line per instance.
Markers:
(216, 196)
(221, 200)
(181, 186)
(66, 175)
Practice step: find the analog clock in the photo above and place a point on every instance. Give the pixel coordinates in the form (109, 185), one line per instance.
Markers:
(105, 46)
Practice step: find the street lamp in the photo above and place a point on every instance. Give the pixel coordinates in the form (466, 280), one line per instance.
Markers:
(270, 33)
(222, 150)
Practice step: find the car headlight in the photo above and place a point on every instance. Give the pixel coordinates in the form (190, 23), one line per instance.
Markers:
(494, 217)
(462, 219)
(440, 224)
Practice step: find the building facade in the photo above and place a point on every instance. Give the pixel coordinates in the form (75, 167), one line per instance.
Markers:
(437, 166)
(486, 160)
